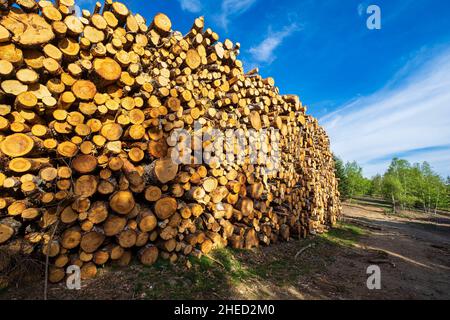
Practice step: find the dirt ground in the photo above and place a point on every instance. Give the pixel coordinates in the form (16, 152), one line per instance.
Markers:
(415, 250)
(412, 250)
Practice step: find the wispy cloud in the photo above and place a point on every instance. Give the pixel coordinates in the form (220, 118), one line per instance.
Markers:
(193, 6)
(438, 157)
(232, 8)
(264, 51)
(410, 115)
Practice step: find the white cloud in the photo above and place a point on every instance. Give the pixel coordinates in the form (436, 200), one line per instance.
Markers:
(439, 159)
(413, 115)
(193, 6)
(232, 8)
(264, 51)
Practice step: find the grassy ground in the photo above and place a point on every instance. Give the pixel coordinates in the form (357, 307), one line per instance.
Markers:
(229, 268)
(387, 206)
(227, 273)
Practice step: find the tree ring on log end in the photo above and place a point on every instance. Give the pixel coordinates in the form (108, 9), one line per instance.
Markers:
(17, 145)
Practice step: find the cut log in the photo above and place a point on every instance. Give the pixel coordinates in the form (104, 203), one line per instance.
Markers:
(9, 52)
(74, 25)
(28, 5)
(122, 202)
(112, 131)
(13, 87)
(68, 215)
(22, 165)
(148, 255)
(107, 70)
(17, 145)
(114, 225)
(147, 221)
(8, 228)
(85, 186)
(165, 207)
(28, 29)
(84, 90)
(162, 23)
(101, 257)
(26, 100)
(163, 170)
(193, 59)
(5, 36)
(71, 238)
(51, 13)
(88, 271)
(6, 68)
(84, 163)
(56, 274)
(127, 238)
(120, 10)
(98, 212)
(69, 47)
(91, 241)
(51, 249)
(94, 35)
(27, 76)
(67, 149)
(152, 193)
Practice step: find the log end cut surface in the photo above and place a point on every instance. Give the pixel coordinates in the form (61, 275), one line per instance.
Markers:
(17, 145)
(29, 29)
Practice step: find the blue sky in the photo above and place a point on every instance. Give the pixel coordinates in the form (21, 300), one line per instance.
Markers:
(379, 93)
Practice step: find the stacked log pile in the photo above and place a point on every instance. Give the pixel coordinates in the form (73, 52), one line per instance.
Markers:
(91, 109)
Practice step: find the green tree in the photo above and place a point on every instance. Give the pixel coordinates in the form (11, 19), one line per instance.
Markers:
(376, 185)
(340, 174)
(403, 184)
(401, 169)
(414, 186)
(392, 189)
(430, 188)
(357, 184)
(447, 200)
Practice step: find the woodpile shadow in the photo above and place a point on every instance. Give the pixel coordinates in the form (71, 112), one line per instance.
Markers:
(17, 269)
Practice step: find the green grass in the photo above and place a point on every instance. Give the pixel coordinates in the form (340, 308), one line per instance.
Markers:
(164, 280)
(401, 215)
(344, 234)
(229, 268)
(235, 270)
(371, 202)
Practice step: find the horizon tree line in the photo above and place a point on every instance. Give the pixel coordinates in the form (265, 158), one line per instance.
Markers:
(404, 185)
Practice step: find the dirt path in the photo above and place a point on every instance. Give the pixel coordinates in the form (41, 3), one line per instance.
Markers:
(413, 254)
(414, 249)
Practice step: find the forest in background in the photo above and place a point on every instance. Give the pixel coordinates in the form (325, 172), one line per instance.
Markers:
(404, 185)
